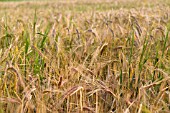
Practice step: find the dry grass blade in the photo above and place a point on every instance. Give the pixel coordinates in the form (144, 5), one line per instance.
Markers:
(97, 52)
(140, 108)
(155, 83)
(10, 100)
(105, 88)
(40, 53)
(11, 68)
(51, 91)
(88, 109)
(68, 93)
(71, 91)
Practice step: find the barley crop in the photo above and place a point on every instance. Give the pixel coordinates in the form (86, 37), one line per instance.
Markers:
(85, 56)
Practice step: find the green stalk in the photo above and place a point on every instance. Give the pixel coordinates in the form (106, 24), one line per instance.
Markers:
(27, 44)
(165, 42)
(141, 62)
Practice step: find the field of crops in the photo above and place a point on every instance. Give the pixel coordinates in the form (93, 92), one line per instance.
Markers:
(103, 56)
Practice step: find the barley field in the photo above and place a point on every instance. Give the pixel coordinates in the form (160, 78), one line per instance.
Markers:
(85, 56)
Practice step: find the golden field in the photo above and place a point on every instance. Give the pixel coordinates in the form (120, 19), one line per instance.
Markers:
(85, 56)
